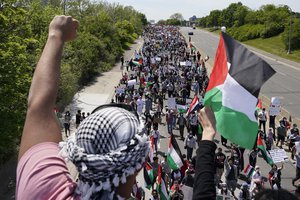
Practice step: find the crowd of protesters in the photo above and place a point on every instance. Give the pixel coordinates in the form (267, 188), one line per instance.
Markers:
(167, 67)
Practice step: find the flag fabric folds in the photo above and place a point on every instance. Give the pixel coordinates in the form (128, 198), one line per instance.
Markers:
(233, 89)
(161, 186)
(248, 171)
(148, 175)
(174, 156)
(194, 106)
(263, 151)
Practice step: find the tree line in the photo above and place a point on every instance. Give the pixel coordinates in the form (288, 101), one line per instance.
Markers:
(105, 31)
(244, 24)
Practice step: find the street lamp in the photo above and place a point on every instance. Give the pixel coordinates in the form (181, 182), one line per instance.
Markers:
(290, 32)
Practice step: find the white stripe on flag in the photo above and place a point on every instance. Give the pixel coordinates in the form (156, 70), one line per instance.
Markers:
(176, 158)
(235, 97)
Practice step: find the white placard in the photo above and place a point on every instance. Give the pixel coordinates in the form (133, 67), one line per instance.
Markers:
(275, 101)
(171, 103)
(120, 90)
(131, 82)
(158, 59)
(182, 63)
(278, 155)
(274, 110)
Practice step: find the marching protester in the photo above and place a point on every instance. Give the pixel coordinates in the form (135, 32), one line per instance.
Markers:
(219, 162)
(190, 143)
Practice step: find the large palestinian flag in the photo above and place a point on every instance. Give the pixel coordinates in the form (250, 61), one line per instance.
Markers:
(233, 89)
(174, 156)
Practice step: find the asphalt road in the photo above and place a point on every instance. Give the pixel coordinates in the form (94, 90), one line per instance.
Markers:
(284, 84)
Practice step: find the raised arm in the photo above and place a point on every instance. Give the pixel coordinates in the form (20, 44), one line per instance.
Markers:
(41, 124)
(204, 186)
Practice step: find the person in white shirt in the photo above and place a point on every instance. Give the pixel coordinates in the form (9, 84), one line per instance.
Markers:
(156, 136)
(256, 181)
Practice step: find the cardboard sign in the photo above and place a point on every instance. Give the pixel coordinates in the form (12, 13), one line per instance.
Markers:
(274, 110)
(131, 82)
(278, 155)
(171, 103)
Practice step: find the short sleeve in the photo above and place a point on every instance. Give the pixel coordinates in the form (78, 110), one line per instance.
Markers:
(43, 174)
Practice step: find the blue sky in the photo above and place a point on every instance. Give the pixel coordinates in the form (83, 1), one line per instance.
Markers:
(163, 9)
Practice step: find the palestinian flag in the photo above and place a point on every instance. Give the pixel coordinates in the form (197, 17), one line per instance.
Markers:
(161, 186)
(194, 106)
(232, 92)
(148, 84)
(259, 104)
(151, 152)
(174, 156)
(181, 108)
(148, 175)
(263, 151)
(136, 63)
(248, 171)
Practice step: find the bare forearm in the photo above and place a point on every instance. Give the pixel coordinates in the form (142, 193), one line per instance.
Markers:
(44, 87)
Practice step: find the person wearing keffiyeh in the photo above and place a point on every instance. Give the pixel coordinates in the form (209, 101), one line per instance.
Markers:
(108, 148)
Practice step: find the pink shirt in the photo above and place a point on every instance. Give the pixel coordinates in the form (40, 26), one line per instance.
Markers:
(42, 175)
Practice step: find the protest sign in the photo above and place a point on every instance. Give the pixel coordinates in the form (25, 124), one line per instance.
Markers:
(182, 63)
(274, 110)
(120, 90)
(278, 155)
(158, 59)
(171, 103)
(131, 82)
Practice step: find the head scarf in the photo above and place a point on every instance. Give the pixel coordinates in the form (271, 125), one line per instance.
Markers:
(106, 149)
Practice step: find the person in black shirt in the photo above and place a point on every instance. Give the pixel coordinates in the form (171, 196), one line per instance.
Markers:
(219, 162)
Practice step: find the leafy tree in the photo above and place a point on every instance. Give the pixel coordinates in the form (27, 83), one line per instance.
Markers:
(177, 16)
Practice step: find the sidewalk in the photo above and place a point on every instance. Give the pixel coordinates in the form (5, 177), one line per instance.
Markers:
(100, 92)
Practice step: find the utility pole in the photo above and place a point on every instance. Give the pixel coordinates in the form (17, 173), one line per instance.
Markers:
(290, 32)
(64, 7)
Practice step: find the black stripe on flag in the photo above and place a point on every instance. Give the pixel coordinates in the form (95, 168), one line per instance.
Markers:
(249, 70)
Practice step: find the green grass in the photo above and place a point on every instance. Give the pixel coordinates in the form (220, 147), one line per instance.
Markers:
(275, 46)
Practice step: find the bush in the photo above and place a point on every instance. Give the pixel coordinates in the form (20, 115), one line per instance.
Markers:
(271, 30)
(295, 35)
(246, 32)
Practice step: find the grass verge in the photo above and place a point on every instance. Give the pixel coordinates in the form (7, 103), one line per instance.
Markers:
(274, 45)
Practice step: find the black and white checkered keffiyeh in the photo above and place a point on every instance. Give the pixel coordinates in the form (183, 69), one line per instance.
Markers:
(106, 149)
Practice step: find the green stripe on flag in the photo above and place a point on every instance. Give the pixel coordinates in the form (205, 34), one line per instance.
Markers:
(233, 125)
